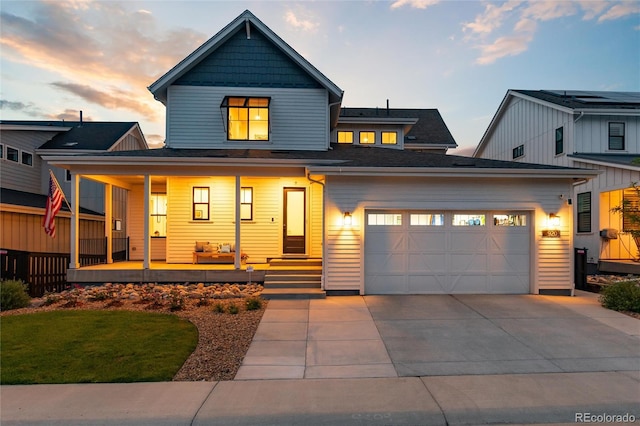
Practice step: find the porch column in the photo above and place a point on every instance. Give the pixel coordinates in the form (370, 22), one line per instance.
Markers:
(147, 237)
(108, 220)
(238, 257)
(74, 255)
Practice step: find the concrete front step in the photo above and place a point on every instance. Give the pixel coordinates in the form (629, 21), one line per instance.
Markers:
(296, 262)
(292, 277)
(293, 293)
(292, 284)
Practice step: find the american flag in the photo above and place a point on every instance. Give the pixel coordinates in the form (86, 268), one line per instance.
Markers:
(54, 202)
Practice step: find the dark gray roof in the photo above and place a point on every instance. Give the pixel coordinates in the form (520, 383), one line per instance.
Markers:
(90, 135)
(430, 128)
(620, 159)
(28, 199)
(343, 154)
(587, 99)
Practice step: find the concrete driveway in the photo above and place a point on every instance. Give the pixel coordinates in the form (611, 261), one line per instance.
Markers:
(440, 335)
(502, 334)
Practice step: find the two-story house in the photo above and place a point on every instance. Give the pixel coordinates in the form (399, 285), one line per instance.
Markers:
(262, 160)
(584, 129)
(24, 181)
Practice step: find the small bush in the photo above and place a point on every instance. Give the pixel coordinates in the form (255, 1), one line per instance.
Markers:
(13, 295)
(233, 309)
(253, 303)
(622, 296)
(176, 300)
(219, 308)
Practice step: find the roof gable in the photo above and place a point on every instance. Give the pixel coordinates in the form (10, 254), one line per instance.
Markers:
(228, 65)
(90, 135)
(246, 26)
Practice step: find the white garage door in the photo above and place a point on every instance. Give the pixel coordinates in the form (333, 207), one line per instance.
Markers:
(420, 252)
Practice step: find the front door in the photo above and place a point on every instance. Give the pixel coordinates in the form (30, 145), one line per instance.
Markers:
(294, 221)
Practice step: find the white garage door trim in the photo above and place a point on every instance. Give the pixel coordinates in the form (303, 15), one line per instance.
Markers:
(423, 252)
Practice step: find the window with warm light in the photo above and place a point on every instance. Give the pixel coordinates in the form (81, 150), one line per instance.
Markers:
(345, 137)
(246, 203)
(158, 215)
(389, 138)
(367, 137)
(200, 203)
(247, 118)
(510, 219)
(468, 220)
(418, 219)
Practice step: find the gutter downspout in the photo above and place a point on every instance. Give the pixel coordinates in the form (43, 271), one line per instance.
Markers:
(579, 117)
(322, 277)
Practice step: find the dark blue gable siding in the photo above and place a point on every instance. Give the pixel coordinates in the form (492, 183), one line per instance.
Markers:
(248, 63)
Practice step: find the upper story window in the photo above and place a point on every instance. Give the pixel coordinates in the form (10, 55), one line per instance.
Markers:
(345, 137)
(367, 137)
(1, 150)
(389, 138)
(559, 140)
(518, 151)
(12, 154)
(616, 136)
(27, 158)
(247, 118)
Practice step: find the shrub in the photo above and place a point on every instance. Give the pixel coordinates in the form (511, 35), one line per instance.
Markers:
(622, 296)
(233, 309)
(219, 308)
(253, 303)
(13, 295)
(176, 300)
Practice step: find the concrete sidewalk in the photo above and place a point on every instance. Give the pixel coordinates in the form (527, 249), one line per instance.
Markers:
(335, 361)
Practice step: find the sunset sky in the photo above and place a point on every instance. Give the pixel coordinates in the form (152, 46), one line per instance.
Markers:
(59, 57)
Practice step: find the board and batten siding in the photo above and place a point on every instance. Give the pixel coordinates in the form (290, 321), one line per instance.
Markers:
(533, 125)
(24, 231)
(299, 118)
(592, 134)
(551, 258)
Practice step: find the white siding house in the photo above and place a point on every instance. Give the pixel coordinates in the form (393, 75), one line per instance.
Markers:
(262, 161)
(583, 129)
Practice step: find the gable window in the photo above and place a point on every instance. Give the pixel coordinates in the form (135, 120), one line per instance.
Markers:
(616, 136)
(246, 203)
(584, 212)
(518, 151)
(12, 154)
(389, 138)
(27, 158)
(247, 118)
(367, 137)
(200, 203)
(559, 140)
(158, 222)
(345, 137)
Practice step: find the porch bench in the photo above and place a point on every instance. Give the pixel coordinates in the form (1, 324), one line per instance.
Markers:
(215, 257)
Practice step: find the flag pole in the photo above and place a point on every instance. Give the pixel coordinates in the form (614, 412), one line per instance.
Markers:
(60, 188)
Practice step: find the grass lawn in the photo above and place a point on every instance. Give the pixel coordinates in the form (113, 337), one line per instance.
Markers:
(93, 347)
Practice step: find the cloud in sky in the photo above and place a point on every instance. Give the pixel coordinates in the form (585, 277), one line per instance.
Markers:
(78, 40)
(300, 23)
(26, 108)
(416, 4)
(526, 15)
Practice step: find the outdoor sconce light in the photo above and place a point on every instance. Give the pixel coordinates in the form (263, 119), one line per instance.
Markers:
(347, 219)
(553, 227)
(117, 225)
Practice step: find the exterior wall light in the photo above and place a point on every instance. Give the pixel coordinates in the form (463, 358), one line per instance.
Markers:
(553, 227)
(347, 220)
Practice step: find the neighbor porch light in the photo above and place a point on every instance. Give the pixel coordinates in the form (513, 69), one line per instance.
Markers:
(347, 219)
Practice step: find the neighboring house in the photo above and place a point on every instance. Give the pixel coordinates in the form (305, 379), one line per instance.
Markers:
(260, 155)
(24, 180)
(584, 129)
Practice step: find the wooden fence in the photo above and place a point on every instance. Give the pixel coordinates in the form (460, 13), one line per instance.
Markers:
(47, 272)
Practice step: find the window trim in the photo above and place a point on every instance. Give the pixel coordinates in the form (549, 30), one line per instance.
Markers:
(362, 133)
(200, 203)
(244, 203)
(227, 119)
(17, 151)
(344, 132)
(559, 141)
(587, 213)
(609, 136)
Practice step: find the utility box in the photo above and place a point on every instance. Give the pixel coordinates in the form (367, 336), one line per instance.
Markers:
(580, 268)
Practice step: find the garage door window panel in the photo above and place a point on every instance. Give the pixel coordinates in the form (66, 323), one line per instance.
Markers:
(426, 219)
(470, 219)
(518, 220)
(385, 219)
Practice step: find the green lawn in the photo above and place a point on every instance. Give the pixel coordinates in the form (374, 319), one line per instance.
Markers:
(93, 346)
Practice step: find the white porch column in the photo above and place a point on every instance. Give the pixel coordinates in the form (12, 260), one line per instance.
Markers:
(108, 220)
(74, 253)
(238, 257)
(147, 237)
